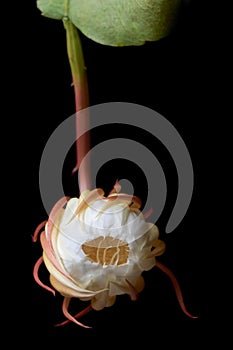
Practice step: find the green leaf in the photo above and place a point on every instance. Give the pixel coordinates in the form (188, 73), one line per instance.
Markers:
(116, 22)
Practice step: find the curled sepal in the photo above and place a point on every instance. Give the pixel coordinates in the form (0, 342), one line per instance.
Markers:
(36, 276)
(116, 23)
(77, 316)
(177, 288)
(66, 313)
(158, 248)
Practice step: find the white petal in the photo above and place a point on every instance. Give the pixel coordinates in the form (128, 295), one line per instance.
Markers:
(70, 210)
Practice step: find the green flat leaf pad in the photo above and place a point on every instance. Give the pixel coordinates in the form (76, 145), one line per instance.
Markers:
(116, 22)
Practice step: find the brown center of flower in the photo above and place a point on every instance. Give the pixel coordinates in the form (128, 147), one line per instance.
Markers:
(106, 251)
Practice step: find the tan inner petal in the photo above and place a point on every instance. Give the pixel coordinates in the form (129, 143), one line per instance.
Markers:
(106, 251)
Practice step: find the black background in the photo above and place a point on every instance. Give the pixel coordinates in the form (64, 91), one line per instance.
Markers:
(172, 76)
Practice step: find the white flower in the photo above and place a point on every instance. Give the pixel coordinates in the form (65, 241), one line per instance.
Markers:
(97, 247)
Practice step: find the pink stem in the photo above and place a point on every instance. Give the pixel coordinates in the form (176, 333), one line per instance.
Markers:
(78, 71)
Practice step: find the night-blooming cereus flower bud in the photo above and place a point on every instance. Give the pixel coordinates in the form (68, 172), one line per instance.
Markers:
(97, 247)
(104, 245)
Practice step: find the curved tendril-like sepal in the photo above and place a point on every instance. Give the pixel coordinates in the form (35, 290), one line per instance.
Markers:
(86, 201)
(36, 277)
(176, 286)
(133, 293)
(57, 206)
(37, 230)
(77, 316)
(134, 202)
(71, 318)
(148, 213)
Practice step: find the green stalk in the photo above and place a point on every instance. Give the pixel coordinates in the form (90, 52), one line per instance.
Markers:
(79, 76)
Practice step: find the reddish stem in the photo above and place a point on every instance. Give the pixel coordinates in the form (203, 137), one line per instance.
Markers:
(79, 77)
